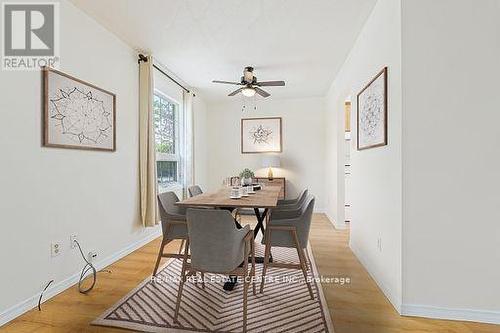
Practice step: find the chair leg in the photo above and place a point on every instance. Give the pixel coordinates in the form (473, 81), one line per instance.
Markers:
(245, 297)
(304, 270)
(245, 290)
(237, 215)
(180, 247)
(266, 258)
(181, 282)
(308, 263)
(202, 280)
(162, 246)
(302, 259)
(252, 272)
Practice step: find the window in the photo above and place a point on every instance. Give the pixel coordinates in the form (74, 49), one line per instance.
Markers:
(166, 128)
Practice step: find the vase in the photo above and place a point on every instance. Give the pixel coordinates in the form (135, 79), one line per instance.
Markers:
(246, 181)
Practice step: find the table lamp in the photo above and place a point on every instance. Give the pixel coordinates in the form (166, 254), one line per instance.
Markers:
(270, 161)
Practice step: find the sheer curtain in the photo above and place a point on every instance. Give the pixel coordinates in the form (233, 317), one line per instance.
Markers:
(147, 150)
(188, 139)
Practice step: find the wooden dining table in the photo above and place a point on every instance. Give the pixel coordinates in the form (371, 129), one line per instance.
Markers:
(265, 199)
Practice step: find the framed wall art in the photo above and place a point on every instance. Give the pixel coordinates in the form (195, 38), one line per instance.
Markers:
(372, 113)
(77, 114)
(261, 135)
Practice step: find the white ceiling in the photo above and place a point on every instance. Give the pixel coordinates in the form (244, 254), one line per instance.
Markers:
(303, 42)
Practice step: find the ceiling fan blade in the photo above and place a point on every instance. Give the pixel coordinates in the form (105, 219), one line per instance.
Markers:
(261, 92)
(227, 82)
(235, 92)
(271, 83)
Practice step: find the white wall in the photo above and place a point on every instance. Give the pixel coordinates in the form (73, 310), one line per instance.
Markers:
(451, 243)
(376, 173)
(46, 194)
(201, 158)
(302, 160)
(334, 166)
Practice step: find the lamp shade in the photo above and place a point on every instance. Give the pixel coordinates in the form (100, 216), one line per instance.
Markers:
(271, 161)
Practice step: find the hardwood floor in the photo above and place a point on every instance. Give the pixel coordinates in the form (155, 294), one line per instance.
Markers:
(359, 307)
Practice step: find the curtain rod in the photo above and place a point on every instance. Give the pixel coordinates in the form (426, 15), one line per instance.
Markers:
(142, 57)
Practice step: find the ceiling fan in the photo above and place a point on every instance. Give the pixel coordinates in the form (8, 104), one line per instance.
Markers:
(251, 85)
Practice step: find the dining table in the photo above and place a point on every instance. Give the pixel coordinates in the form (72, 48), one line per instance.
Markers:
(264, 199)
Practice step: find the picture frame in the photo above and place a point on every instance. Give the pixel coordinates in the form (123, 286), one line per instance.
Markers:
(372, 113)
(261, 135)
(77, 114)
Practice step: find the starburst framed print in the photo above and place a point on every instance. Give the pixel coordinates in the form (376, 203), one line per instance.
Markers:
(261, 135)
(77, 114)
(372, 113)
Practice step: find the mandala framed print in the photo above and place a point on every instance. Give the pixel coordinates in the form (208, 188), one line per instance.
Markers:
(261, 135)
(372, 113)
(77, 114)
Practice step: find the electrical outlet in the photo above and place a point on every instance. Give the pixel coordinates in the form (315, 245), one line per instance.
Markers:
(55, 249)
(72, 240)
(92, 256)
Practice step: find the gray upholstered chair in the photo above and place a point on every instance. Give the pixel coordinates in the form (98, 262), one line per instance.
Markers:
(173, 225)
(289, 209)
(293, 203)
(217, 246)
(282, 231)
(194, 190)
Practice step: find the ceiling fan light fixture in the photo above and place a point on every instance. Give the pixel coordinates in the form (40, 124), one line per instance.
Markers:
(248, 92)
(249, 85)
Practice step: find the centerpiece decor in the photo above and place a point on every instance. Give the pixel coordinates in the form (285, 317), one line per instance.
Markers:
(246, 177)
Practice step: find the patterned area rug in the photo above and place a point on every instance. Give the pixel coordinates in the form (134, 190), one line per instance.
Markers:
(285, 305)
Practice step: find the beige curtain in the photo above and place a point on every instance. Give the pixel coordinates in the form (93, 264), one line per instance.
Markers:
(147, 153)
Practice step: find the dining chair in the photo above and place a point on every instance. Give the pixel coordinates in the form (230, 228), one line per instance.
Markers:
(218, 247)
(194, 190)
(290, 208)
(293, 203)
(283, 231)
(173, 225)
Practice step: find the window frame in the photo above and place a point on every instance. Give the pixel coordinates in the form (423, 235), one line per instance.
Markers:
(176, 156)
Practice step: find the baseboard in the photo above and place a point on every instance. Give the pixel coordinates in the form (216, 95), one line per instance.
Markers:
(335, 224)
(56, 288)
(386, 291)
(481, 316)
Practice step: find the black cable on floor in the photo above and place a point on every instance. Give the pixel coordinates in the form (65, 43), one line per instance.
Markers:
(88, 266)
(41, 295)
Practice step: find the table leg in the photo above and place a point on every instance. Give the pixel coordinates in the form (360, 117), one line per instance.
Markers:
(260, 226)
(229, 285)
(260, 221)
(233, 280)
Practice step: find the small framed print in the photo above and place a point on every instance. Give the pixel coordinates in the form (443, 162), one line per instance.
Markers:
(261, 135)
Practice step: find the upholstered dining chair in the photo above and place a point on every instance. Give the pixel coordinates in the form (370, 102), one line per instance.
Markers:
(194, 190)
(217, 246)
(283, 231)
(290, 208)
(293, 203)
(173, 225)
